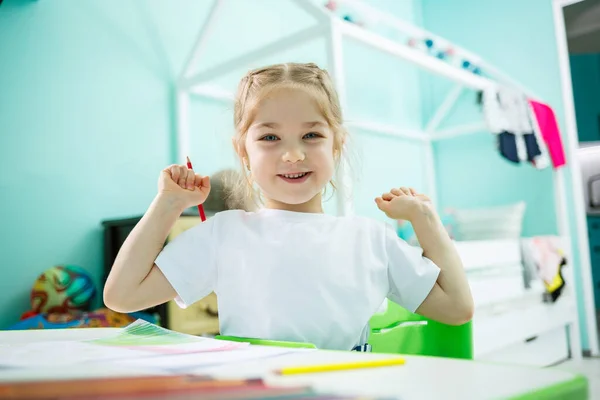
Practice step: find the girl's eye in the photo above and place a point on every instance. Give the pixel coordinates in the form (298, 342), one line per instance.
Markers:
(312, 135)
(269, 138)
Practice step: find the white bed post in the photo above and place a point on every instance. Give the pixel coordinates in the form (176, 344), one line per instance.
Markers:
(232, 64)
(335, 55)
(435, 121)
(571, 149)
(182, 97)
(201, 37)
(562, 211)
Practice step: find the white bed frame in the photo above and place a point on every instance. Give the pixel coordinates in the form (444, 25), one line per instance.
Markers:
(333, 29)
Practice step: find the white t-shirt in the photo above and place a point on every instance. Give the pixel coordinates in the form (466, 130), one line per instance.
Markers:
(302, 277)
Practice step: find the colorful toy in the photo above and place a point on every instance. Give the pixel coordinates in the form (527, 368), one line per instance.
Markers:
(331, 5)
(62, 289)
(76, 319)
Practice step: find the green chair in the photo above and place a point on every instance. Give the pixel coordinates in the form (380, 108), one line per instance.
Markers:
(265, 342)
(399, 331)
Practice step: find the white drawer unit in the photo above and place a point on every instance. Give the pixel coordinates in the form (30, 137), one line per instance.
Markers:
(512, 323)
(542, 350)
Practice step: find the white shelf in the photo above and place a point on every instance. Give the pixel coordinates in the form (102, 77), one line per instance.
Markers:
(520, 320)
(481, 254)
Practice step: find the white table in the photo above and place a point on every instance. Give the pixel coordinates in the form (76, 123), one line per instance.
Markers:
(419, 378)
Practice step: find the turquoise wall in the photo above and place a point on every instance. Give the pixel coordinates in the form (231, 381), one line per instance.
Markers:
(585, 75)
(87, 117)
(517, 37)
(85, 129)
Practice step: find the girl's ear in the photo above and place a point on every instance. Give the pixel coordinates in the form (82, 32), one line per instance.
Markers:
(337, 151)
(239, 149)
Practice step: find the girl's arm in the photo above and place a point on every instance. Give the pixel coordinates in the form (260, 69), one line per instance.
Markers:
(450, 300)
(135, 282)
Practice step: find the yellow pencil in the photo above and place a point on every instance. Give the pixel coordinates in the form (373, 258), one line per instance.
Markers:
(308, 369)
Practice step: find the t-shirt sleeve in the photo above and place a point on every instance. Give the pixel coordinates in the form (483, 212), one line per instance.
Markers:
(411, 275)
(189, 263)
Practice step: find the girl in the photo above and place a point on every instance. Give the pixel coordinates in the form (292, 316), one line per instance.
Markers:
(288, 271)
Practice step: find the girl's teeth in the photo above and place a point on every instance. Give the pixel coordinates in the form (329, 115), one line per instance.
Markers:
(294, 176)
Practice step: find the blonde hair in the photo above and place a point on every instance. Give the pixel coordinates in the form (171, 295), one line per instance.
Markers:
(223, 194)
(259, 83)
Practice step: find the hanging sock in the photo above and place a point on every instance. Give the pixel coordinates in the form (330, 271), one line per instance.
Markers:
(494, 112)
(497, 119)
(536, 147)
(507, 146)
(532, 147)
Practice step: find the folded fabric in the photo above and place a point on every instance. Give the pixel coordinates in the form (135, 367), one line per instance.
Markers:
(544, 258)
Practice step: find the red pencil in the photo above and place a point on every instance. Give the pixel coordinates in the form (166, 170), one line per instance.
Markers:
(200, 208)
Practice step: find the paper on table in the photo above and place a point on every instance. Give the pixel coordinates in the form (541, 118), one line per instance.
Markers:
(140, 339)
(187, 362)
(142, 335)
(60, 353)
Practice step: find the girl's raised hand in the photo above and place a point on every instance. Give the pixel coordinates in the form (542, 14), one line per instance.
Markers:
(402, 203)
(182, 186)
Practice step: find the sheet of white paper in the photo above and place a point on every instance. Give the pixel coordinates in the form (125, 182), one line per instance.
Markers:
(142, 335)
(138, 340)
(185, 362)
(60, 353)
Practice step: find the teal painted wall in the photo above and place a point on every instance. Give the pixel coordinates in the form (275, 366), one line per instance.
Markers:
(85, 128)
(585, 75)
(518, 37)
(87, 117)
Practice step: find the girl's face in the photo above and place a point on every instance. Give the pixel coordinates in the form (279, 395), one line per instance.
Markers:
(289, 149)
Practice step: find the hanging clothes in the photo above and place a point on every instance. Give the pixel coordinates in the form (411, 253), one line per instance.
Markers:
(508, 115)
(535, 150)
(546, 127)
(498, 119)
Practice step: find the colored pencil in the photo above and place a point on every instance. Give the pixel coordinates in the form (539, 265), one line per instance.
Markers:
(309, 369)
(200, 208)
